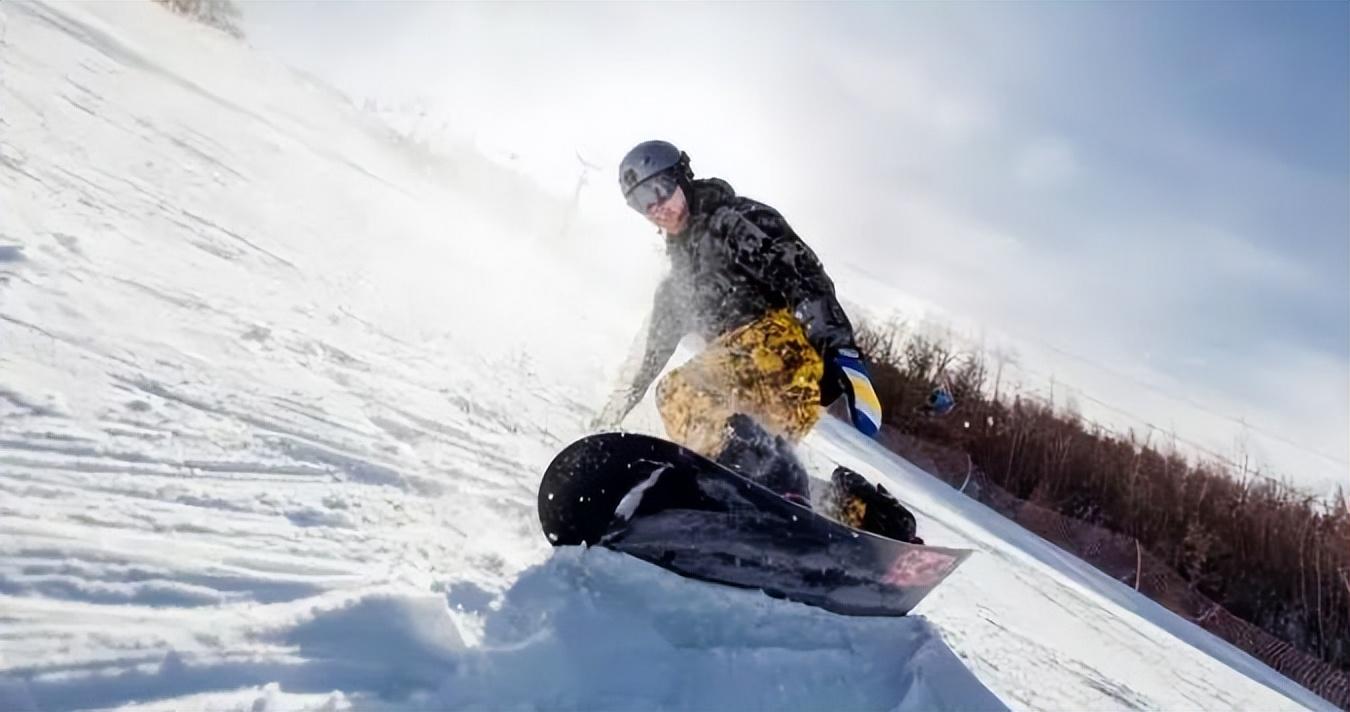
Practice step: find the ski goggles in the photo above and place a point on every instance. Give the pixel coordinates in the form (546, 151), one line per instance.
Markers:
(652, 192)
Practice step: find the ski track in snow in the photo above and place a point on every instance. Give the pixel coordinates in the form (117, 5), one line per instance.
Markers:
(275, 393)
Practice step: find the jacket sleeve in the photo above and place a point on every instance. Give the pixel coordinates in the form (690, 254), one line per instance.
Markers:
(765, 247)
(666, 325)
(651, 350)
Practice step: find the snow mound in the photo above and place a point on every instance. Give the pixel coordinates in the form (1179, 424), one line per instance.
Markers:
(592, 629)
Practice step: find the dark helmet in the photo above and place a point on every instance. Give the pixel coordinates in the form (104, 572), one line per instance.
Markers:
(648, 160)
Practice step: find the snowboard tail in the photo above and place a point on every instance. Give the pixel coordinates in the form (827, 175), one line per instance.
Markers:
(659, 502)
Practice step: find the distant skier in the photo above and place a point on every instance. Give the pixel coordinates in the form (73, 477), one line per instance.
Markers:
(779, 345)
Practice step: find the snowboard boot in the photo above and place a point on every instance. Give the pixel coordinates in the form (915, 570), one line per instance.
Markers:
(871, 508)
(752, 452)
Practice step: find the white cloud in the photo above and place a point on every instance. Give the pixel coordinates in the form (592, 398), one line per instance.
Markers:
(1047, 162)
(921, 107)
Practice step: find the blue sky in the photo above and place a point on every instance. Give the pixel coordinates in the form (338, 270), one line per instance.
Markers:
(1161, 190)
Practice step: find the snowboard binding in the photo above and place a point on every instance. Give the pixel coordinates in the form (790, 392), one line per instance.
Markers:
(753, 453)
(868, 507)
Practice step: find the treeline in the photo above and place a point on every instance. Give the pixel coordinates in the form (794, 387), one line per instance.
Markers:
(1264, 551)
(223, 15)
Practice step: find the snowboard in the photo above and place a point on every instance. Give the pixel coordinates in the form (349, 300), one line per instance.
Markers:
(667, 505)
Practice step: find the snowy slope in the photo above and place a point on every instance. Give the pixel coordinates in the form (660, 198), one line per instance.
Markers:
(275, 390)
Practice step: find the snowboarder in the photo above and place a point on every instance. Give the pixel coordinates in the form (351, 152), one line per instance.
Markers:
(779, 345)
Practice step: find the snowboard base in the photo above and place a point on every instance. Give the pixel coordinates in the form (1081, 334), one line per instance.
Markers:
(662, 503)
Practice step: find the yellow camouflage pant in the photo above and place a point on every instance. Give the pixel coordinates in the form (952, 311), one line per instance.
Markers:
(765, 369)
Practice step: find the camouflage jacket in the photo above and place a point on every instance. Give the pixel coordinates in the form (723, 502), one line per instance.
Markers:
(736, 260)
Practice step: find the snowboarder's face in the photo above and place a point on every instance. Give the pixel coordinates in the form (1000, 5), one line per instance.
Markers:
(671, 214)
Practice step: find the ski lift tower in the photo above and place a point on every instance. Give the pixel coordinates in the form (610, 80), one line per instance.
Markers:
(586, 168)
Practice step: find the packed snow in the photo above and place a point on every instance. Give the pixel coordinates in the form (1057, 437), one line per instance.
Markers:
(276, 390)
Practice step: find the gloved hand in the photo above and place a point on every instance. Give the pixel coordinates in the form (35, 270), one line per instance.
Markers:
(864, 407)
(611, 416)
